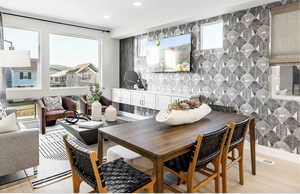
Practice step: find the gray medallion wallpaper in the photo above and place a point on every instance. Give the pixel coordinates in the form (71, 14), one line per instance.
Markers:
(238, 74)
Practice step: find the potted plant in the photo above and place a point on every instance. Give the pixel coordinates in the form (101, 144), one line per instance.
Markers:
(94, 96)
(183, 112)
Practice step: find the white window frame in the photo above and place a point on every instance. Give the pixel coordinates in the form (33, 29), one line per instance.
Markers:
(45, 29)
(75, 36)
(38, 83)
(202, 35)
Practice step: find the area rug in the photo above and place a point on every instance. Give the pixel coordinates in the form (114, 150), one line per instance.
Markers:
(54, 165)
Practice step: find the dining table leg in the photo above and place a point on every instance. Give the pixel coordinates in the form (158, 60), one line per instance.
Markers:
(159, 175)
(100, 146)
(252, 130)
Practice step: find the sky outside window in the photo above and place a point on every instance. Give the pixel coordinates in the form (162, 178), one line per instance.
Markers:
(22, 40)
(71, 51)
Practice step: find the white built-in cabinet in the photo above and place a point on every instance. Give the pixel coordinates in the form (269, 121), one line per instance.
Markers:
(146, 99)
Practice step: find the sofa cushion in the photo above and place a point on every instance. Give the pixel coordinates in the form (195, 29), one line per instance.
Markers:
(53, 103)
(9, 124)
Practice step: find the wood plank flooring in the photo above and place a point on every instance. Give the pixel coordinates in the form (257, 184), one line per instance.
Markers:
(282, 176)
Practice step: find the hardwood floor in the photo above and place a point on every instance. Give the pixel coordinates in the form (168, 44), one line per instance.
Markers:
(282, 176)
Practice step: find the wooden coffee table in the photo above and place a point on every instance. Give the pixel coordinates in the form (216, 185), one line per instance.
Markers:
(87, 136)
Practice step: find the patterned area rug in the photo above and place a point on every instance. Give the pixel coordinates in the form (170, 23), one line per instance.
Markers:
(52, 147)
(54, 165)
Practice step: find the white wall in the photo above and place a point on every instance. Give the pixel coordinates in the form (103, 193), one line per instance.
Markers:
(108, 58)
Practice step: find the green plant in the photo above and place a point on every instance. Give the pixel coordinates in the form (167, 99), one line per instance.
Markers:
(95, 93)
(184, 105)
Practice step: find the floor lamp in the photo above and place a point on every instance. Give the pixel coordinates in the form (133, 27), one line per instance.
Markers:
(10, 59)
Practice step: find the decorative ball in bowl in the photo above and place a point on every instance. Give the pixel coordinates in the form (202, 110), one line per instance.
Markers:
(183, 112)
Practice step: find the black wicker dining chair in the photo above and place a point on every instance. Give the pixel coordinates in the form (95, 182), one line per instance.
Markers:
(220, 108)
(207, 149)
(115, 177)
(235, 141)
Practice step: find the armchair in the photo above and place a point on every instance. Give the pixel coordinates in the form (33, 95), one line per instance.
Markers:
(48, 118)
(20, 150)
(86, 108)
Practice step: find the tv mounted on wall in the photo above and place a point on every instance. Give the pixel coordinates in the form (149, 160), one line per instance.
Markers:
(170, 54)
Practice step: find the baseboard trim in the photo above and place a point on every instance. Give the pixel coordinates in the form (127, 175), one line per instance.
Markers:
(276, 153)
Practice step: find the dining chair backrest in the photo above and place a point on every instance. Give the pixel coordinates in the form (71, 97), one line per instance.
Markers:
(212, 144)
(229, 109)
(81, 161)
(208, 148)
(239, 133)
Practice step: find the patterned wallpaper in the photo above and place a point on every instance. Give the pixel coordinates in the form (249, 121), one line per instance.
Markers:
(238, 74)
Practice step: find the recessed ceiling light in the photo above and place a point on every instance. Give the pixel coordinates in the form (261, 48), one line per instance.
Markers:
(106, 17)
(137, 4)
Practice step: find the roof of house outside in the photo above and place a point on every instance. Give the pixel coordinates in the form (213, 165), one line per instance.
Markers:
(76, 69)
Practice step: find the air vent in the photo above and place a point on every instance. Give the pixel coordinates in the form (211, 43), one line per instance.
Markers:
(265, 161)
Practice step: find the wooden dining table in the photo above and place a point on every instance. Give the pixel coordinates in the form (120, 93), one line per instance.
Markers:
(160, 142)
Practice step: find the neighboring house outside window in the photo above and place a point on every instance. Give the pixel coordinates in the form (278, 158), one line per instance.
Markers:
(25, 75)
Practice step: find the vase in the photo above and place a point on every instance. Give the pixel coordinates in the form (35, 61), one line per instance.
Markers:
(180, 117)
(110, 114)
(96, 111)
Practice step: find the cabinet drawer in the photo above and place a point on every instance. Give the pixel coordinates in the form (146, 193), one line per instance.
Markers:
(149, 101)
(136, 99)
(125, 97)
(116, 96)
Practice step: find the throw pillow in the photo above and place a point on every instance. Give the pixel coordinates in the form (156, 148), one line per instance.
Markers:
(9, 124)
(53, 103)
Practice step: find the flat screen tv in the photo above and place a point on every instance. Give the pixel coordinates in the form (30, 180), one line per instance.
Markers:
(170, 54)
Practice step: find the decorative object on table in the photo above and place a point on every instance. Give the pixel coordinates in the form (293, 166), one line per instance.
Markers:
(183, 112)
(10, 59)
(131, 78)
(94, 97)
(111, 114)
(90, 124)
(141, 83)
(96, 111)
(85, 106)
(75, 117)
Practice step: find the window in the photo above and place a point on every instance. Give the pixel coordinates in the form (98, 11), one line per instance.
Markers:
(70, 57)
(23, 40)
(286, 80)
(212, 35)
(142, 42)
(285, 43)
(25, 75)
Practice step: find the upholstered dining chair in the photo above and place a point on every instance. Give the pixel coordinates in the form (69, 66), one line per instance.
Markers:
(115, 177)
(207, 149)
(235, 141)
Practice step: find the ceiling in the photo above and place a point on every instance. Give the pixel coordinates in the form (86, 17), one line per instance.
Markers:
(124, 18)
